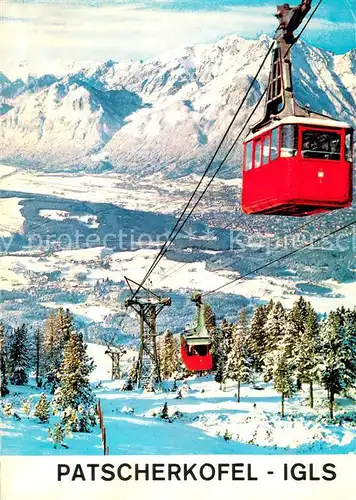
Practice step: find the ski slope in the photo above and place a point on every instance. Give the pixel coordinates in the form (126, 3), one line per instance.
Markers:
(206, 414)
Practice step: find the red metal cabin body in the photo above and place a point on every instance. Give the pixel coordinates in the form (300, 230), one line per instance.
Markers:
(197, 358)
(298, 166)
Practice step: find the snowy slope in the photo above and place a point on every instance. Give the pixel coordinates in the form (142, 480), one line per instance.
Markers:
(168, 110)
(65, 119)
(206, 413)
(11, 219)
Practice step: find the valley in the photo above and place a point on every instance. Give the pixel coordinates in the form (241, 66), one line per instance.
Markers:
(60, 249)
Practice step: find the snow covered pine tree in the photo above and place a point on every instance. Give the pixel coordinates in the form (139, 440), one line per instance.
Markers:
(307, 353)
(19, 356)
(350, 348)
(297, 319)
(57, 435)
(168, 355)
(42, 408)
(74, 389)
(56, 335)
(274, 330)
(26, 407)
(4, 390)
(338, 353)
(238, 364)
(283, 376)
(256, 341)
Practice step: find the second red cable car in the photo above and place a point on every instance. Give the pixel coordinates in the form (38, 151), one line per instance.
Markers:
(196, 353)
(196, 342)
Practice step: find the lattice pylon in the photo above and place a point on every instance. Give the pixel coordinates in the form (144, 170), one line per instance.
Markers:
(147, 305)
(115, 354)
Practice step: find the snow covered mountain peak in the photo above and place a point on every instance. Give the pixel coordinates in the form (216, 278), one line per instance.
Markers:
(167, 111)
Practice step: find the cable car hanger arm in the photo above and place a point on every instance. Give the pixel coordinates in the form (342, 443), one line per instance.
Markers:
(290, 18)
(280, 100)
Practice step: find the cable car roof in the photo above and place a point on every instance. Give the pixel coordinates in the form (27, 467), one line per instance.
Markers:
(301, 120)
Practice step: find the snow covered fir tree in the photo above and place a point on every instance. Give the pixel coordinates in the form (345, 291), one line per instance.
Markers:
(307, 356)
(74, 391)
(338, 349)
(43, 409)
(168, 355)
(3, 371)
(238, 364)
(57, 435)
(283, 375)
(56, 334)
(18, 363)
(257, 339)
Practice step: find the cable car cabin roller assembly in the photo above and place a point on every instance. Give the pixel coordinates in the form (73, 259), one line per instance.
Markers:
(296, 162)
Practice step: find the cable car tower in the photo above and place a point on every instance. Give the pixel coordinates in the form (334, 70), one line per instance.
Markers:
(147, 305)
(115, 353)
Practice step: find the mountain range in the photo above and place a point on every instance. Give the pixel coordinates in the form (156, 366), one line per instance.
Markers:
(168, 112)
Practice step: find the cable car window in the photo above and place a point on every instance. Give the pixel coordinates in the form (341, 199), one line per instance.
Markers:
(321, 145)
(248, 156)
(348, 146)
(258, 154)
(274, 143)
(265, 151)
(201, 350)
(289, 141)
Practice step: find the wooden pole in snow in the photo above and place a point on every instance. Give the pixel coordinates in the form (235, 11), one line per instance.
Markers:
(104, 440)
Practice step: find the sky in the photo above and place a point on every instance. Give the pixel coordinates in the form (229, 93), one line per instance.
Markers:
(45, 35)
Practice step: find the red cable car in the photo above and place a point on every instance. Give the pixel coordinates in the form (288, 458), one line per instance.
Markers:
(296, 162)
(196, 342)
(298, 166)
(196, 354)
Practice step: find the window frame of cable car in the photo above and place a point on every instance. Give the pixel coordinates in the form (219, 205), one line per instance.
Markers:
(275, 134)
(266, 158)
(248, 165)
(348, 149)
(257, 143)
(322, 155)
(289, 150)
